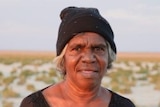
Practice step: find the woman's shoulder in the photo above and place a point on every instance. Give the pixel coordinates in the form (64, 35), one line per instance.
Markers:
(35, 99)
(118, 100)
(52, 91)
(41, 97)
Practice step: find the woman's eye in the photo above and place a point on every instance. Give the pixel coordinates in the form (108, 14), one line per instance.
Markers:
(99, 49)
(77, 48)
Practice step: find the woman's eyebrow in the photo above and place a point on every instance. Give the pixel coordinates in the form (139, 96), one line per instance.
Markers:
(92, 45)
(99, 45)
(76, 44)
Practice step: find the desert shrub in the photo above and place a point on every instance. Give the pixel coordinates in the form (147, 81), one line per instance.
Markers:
(9, 92)
(13, 72)
(1, 78)
(24, 75)
(156, 66)
(143, 71)
(21, 80)
(52, 72)
(122, 80)
(49, 80)
(38, 58)
(40, 77)
(125, 90)
(138, 63)
(126, 63)
(30, 87)
(154, 79)
(157, 86)
(27, 73)
(1, 74)
(45, 78)
(25, 58)
(7, 60)
(7, 104)
(158, 104)
(143, 78)
(8, 80)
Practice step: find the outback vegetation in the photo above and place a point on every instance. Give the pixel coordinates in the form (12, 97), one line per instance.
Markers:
(22, 73)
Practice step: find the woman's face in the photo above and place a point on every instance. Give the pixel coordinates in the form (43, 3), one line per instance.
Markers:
(86, 59)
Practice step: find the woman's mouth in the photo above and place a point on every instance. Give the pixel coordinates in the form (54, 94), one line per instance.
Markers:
(88, 73)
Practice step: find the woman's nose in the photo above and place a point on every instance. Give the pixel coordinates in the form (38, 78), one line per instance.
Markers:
(88, 57)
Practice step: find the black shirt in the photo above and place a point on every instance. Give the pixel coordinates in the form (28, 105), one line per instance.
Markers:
(37, 100)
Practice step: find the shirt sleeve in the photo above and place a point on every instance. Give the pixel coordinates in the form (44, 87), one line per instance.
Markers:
(26, 102)
(34, 100)
(120, 101)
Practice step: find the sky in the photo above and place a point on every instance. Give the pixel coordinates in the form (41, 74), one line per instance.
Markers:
(33, 24)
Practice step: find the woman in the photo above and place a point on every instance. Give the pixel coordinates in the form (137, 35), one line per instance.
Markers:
(85, 50)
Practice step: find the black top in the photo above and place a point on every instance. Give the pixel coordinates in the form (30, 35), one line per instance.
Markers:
(37, 100)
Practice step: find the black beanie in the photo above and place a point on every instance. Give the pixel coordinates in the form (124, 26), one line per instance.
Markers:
(79, 19)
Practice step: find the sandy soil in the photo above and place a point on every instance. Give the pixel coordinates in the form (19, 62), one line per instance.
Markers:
(142, 95)
(139, 56)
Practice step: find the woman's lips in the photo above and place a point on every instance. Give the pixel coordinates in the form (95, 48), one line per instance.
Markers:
(88, 69)
(88, 73)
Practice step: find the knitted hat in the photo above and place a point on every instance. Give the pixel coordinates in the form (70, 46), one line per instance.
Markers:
(78, 19)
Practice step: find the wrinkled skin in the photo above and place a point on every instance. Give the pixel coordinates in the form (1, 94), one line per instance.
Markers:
(85, 62)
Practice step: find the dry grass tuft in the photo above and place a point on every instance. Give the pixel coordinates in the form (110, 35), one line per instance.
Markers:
(26, 57)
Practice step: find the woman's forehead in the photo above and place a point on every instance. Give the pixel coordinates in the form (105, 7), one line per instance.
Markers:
(90, 37)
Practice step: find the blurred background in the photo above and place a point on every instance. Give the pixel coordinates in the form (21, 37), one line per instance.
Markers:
(28, 34)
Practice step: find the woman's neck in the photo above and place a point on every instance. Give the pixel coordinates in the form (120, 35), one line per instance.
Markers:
(80, 94)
